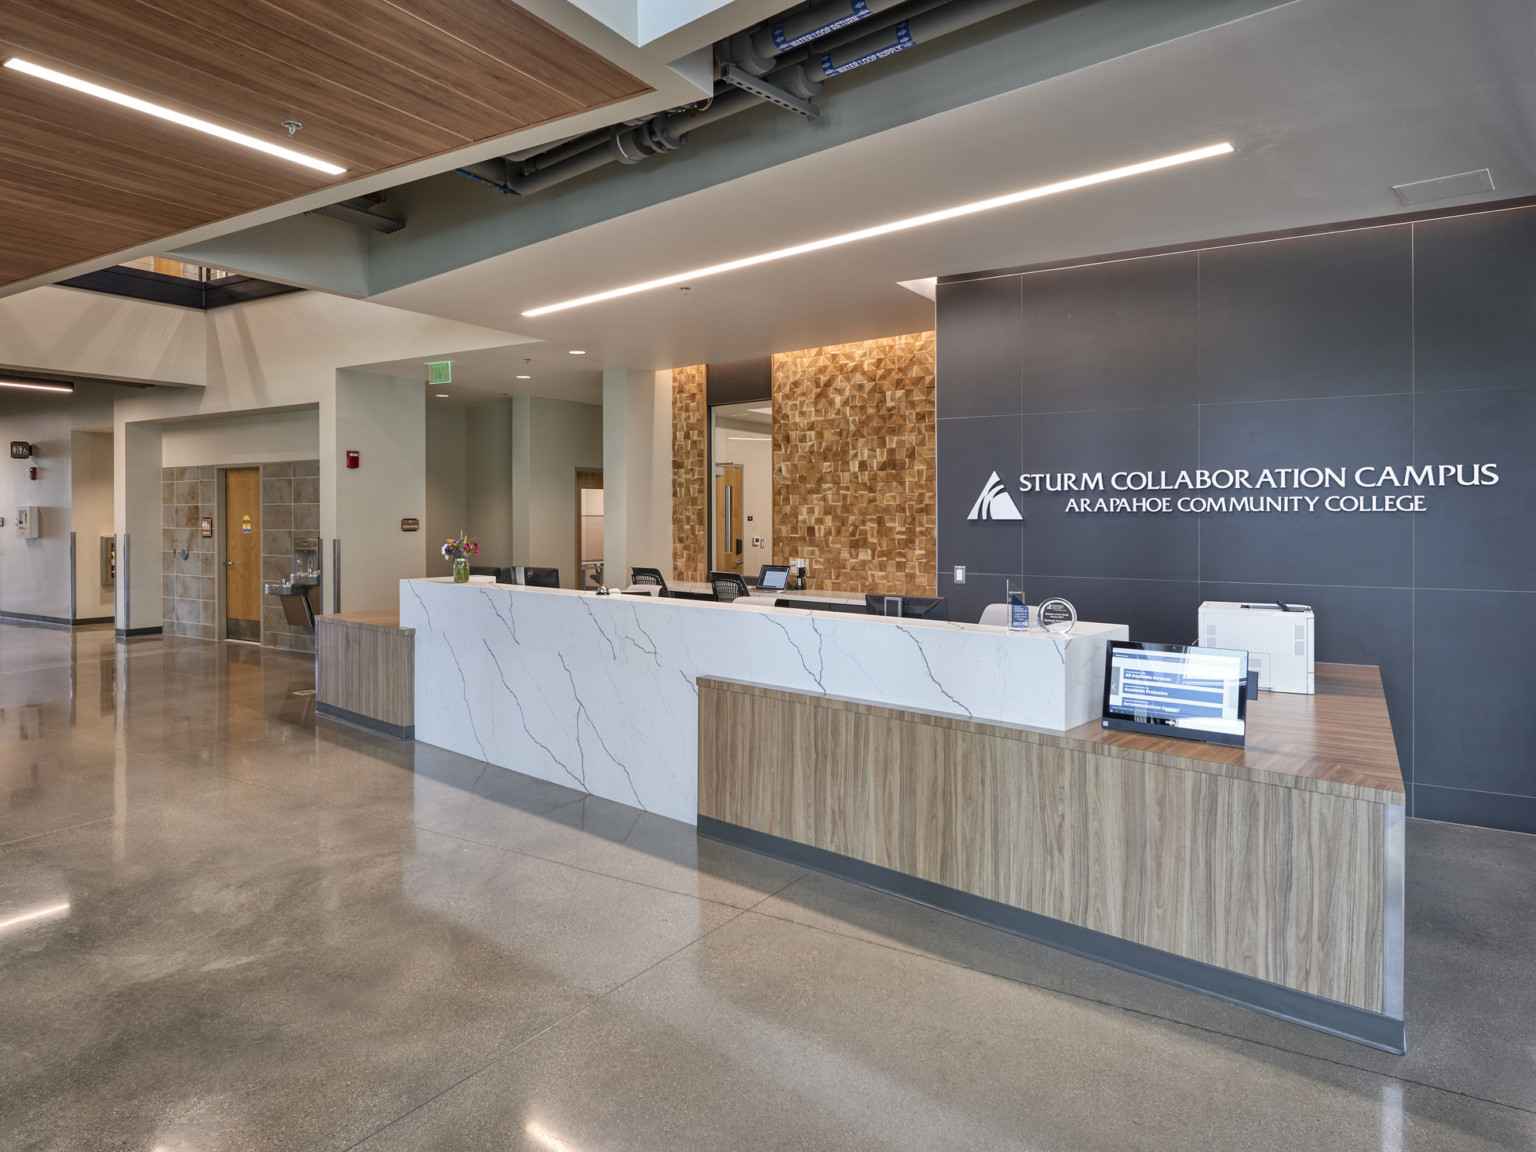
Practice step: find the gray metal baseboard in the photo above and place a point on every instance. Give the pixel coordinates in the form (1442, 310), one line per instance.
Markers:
(1369, 1028)
(397, 731)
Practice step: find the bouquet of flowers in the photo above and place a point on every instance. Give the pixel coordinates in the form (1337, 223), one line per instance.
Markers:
(460, 548)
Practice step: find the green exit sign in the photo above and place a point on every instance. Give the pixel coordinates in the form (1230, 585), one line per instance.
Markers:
(440, 372)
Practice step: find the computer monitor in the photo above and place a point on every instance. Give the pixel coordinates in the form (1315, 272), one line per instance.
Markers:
(914, 607)
(541, 577)
(648, 576)
(1176, 690)
(773, 578)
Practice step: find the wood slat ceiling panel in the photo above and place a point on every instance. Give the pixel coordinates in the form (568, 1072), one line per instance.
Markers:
(376, 83)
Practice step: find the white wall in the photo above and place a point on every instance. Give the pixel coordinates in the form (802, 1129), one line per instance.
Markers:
(255, 438)
(488, 483)
(72, 331)
(91, 519)
(381, 417)
(754, 452)
(551, 441)
(447, 509)
(34, 574)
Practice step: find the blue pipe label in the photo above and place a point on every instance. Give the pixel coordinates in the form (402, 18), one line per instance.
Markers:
(903, 42)
(784, 43)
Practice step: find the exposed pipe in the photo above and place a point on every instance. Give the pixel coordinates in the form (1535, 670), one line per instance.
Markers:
(756, 50)
(632, 142)
(905, 34)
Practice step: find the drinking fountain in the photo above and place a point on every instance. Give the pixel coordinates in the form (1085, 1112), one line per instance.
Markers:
(300, 592)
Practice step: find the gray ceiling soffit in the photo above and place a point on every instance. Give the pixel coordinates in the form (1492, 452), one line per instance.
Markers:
(455, 222)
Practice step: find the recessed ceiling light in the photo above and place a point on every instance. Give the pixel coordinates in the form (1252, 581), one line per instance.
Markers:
(574, 351)
(126, 101)
(35, 386)
(897, 226)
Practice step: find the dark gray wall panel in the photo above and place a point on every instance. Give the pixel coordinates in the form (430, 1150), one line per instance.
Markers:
(1116, 335)
(1314, 316)
(1161, 611)
(981, 347)
(1101, 543)
(1313, 547)
(1475, 727)
(1307, 352)
(967, 600)
(1472, 537)
(979, 446)
(1475, 301)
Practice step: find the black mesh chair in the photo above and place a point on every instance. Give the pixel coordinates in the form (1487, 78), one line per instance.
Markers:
(649, 576)
(728, 586)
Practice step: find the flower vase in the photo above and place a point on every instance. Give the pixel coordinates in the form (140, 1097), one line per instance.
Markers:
(461, 571)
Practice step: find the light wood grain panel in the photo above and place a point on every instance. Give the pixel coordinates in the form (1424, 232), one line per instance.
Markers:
(376, 84)
(366, 667)
(1279, 881)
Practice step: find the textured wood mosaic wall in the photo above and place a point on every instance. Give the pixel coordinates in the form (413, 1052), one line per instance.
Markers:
(853, 460)
(690, 485)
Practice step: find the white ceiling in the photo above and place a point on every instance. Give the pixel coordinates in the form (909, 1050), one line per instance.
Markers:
(1329, 103)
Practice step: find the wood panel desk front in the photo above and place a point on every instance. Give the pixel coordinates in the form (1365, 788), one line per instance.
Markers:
(1270, 875)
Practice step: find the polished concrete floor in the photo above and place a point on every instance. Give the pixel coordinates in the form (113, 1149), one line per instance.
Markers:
(225, 926)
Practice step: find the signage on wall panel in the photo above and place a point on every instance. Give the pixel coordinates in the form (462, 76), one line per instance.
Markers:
(1366, 488)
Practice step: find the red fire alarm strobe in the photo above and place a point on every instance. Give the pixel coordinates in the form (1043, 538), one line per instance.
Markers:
(32, 473)
(352, 459)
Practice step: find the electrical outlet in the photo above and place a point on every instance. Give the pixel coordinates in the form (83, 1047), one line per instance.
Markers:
(959, 573)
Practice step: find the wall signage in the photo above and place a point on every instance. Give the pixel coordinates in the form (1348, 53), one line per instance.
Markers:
(207, 527)
(410, 524)
(1368, 488)
(245, 525)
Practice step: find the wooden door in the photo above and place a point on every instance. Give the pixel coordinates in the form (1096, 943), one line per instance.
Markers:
(242, 554)
(727, 518)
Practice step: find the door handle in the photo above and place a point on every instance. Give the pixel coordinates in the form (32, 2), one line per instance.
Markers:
(228, 562)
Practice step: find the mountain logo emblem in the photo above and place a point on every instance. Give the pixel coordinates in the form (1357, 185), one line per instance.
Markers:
(994, 503)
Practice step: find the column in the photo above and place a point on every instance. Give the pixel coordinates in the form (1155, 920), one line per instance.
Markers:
(637, 469)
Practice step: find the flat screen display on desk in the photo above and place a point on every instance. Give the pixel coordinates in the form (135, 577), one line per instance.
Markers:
(1176, 690)
(773, 577)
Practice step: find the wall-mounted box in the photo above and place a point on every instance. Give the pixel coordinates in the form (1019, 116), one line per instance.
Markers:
(108, 561)
(28, 522)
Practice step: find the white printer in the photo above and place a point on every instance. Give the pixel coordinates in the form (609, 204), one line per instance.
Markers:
(1277, 638)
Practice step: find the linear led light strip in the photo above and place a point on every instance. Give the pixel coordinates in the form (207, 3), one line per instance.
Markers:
(192, 122)
(35, 387)
(895, 226)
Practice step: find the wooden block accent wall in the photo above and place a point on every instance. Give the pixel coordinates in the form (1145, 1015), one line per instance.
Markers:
(853, 464)
(690, 462)
(1281, 883)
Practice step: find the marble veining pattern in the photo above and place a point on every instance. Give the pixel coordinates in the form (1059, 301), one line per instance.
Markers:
(599, 693)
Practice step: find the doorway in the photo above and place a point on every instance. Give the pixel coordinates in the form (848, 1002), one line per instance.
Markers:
(727, 518)
(589, 529)
(242, 554)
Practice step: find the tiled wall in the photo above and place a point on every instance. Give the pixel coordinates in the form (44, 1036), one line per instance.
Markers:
(290, 505)
(189, 588)
(690, 461)
(853, 464)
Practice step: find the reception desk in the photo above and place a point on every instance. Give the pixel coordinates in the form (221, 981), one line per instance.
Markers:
(601, 692)
(963, 766)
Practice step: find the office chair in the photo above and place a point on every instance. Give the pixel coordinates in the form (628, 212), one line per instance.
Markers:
(728, 586)
(996, 615)
(649, 576)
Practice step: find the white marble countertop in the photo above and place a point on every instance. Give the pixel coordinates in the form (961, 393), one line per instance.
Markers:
(787, 594)
(600, 692)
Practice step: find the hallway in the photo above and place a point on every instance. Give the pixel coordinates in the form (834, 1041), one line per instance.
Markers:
(226, 926)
